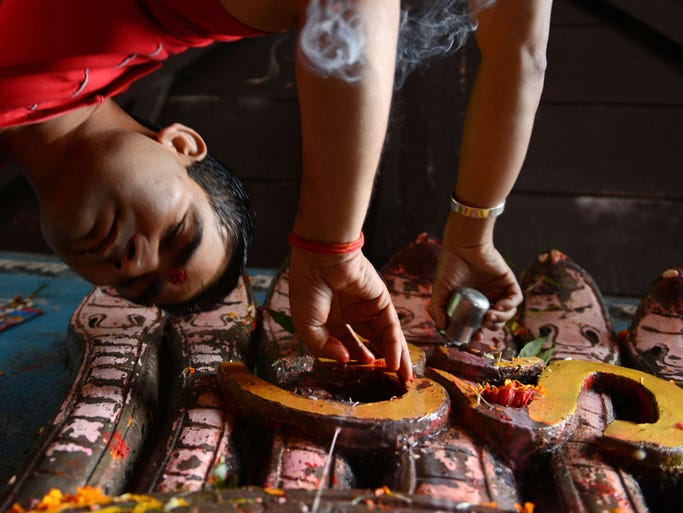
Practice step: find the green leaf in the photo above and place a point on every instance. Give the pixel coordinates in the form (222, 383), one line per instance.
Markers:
(284, 320)
(533, 348)
(545, 355)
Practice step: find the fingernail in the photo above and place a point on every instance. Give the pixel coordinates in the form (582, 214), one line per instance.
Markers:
(336, 350)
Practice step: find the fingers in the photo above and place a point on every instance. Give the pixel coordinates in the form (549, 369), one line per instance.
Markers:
(394, 343)
(445, 282)
(321, 344)
(513, 297)
(325, 304)
(384, 333)
(405, 368)
(495, 320)
(348, 345)
(504, 309)
(484, 270)
(356, 347)
(500, 313)
(437, 311)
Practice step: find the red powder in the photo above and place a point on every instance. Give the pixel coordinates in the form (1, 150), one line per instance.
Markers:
(119, 448)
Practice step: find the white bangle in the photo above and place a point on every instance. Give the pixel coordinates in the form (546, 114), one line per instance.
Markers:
(477, 213)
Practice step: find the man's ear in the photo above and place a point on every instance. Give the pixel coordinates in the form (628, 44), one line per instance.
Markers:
(183, 140)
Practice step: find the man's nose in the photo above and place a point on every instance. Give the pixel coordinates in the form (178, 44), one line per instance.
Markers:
(139, 258)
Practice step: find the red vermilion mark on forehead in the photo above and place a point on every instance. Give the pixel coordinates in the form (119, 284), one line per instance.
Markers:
(178, 275)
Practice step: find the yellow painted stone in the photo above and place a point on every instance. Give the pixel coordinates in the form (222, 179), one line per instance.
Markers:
(518, 362)
(425, 404)
(564, 381)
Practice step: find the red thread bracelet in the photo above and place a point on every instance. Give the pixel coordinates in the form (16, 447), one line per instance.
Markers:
(323, 248)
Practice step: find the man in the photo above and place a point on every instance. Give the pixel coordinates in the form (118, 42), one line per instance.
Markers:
(155, 238)
(117, 200)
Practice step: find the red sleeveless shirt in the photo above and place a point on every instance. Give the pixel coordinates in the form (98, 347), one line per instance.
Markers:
(61, 55)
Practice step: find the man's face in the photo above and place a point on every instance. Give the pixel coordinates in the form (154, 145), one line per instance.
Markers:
(125, 213)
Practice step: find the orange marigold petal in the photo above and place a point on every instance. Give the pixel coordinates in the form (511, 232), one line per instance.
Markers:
(279, 492)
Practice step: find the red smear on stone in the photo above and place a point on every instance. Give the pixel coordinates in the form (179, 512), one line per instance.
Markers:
(603, 488)
(120, 448)
(418, 261)
(557, 256)
(679, 425)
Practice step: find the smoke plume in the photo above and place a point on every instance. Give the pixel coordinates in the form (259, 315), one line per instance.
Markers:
(333, 36)
(432, 28)
(332, 39)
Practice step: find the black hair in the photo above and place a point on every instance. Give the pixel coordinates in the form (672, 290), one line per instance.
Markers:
(233, 212)
(232, 209)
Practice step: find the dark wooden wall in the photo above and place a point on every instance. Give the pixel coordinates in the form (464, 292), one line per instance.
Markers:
(602, 181)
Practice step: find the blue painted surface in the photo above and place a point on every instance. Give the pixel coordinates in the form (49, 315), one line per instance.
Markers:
(35, 375)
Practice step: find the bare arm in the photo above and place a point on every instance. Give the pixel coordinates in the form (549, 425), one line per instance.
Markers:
(343, 128)
(512, 36)
(343, 125)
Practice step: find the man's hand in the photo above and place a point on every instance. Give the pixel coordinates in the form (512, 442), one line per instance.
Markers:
(327, 292)
(512, 37)
(481, 268)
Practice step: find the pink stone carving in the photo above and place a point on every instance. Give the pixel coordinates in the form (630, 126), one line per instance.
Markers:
(562, 302)
(655, 337)
(101, 425)
(196, 434)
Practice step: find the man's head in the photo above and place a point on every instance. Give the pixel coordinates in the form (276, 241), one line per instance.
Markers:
(149, 213)
(233, 213)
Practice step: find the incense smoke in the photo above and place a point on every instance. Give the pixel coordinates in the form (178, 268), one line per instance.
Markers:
(433, 28)
(333, 36)
(332, 39)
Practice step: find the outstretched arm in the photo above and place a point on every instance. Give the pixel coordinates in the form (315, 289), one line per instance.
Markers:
(512, 37)
(343, 126)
